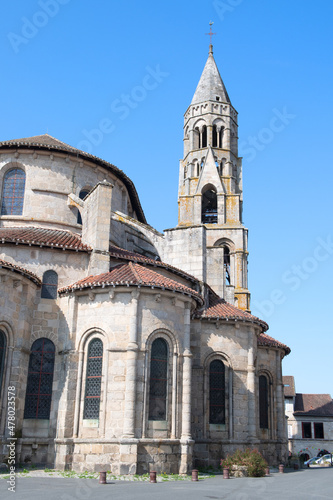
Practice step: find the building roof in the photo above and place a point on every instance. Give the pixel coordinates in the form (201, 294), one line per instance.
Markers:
(38, 236)
(20, 270)
(265, 340)
(289, 386)
(210, 84)
(132, 274)
(218, 308)
(319, 405)
(47, 142)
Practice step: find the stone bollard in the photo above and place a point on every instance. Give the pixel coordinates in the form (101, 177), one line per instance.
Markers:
(152, 476)
(102, 478)
(281, 468)
(267, 471)
(226, 473)
(195, 475)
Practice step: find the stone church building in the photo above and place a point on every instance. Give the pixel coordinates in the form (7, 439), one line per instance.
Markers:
(127, 348)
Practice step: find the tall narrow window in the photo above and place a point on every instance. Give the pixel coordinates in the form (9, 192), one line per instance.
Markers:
(263, 402)
(318, 430)
(306, 430)
(204, 136)
(40, 378)
(92, 397)
(13, 192)
(83, 193)
(2, 355)
(214, 136)
(209, 207)
(226, 262)
(216, 392)
(158, 380)
(50, 285)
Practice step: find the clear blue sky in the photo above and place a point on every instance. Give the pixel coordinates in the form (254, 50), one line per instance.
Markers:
(68, 67)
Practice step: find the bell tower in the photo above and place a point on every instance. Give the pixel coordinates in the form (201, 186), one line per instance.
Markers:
(210, 192)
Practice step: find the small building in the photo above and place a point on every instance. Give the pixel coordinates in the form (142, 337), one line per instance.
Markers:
(310, 421)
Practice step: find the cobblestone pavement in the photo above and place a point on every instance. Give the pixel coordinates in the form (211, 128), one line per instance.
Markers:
(316, 484)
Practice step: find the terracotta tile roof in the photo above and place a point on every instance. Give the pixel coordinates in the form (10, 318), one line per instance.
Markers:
(218, 308)
(120, 253)
(132, 274)
(320, 405)
(48, 142)
(267, 341)
(289, 386)
(20, 270)
(38, 236)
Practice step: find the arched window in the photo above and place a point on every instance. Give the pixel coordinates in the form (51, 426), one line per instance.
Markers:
(49, 285)
(214, 136)
(40, 378)
(2, 355)
(216, 392)
(263, 402)
(92, 396)
(83, 193)
(158, 380)
(226, 264)
(209, 207)
(13, 192)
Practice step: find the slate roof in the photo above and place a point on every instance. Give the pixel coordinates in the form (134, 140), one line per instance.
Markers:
(218, 308)
(20, 270)
(132, 274)
(47, 142)
(289, 386)
(210, 84)
(317, 405)
(37, 236)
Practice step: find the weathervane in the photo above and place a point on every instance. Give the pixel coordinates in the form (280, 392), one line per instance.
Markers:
(210, 32)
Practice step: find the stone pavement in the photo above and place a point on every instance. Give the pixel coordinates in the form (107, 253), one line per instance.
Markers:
(316, 484)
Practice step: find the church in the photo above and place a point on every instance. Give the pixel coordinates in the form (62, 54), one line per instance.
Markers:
(128, 349)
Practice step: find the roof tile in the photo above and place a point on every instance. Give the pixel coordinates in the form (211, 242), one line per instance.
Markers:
(320, 405)
(21, 270)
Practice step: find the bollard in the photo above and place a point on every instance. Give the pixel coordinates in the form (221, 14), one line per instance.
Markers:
(226, 473)
(281, 468)
(195, 475)
(102, 478)
(267, 471)
(152, 476)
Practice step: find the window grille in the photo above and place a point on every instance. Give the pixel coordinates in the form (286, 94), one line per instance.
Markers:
(93, 380)
(263, 402)
(158, 380)
(40, 378)
(50, 285)
(13, 192)
(2, 355)
(216, 392)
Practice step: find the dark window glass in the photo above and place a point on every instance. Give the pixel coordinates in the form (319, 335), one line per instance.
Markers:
(263, 402)
(158, 380)
(2, 355)
(306, 430)
(13, 192)
(50, 285)
(40, 378)
(216, 392)
(92, 397)
(214, 136)
(319, 430)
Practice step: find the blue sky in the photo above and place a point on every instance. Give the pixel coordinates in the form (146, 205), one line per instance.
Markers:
(115, 78)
